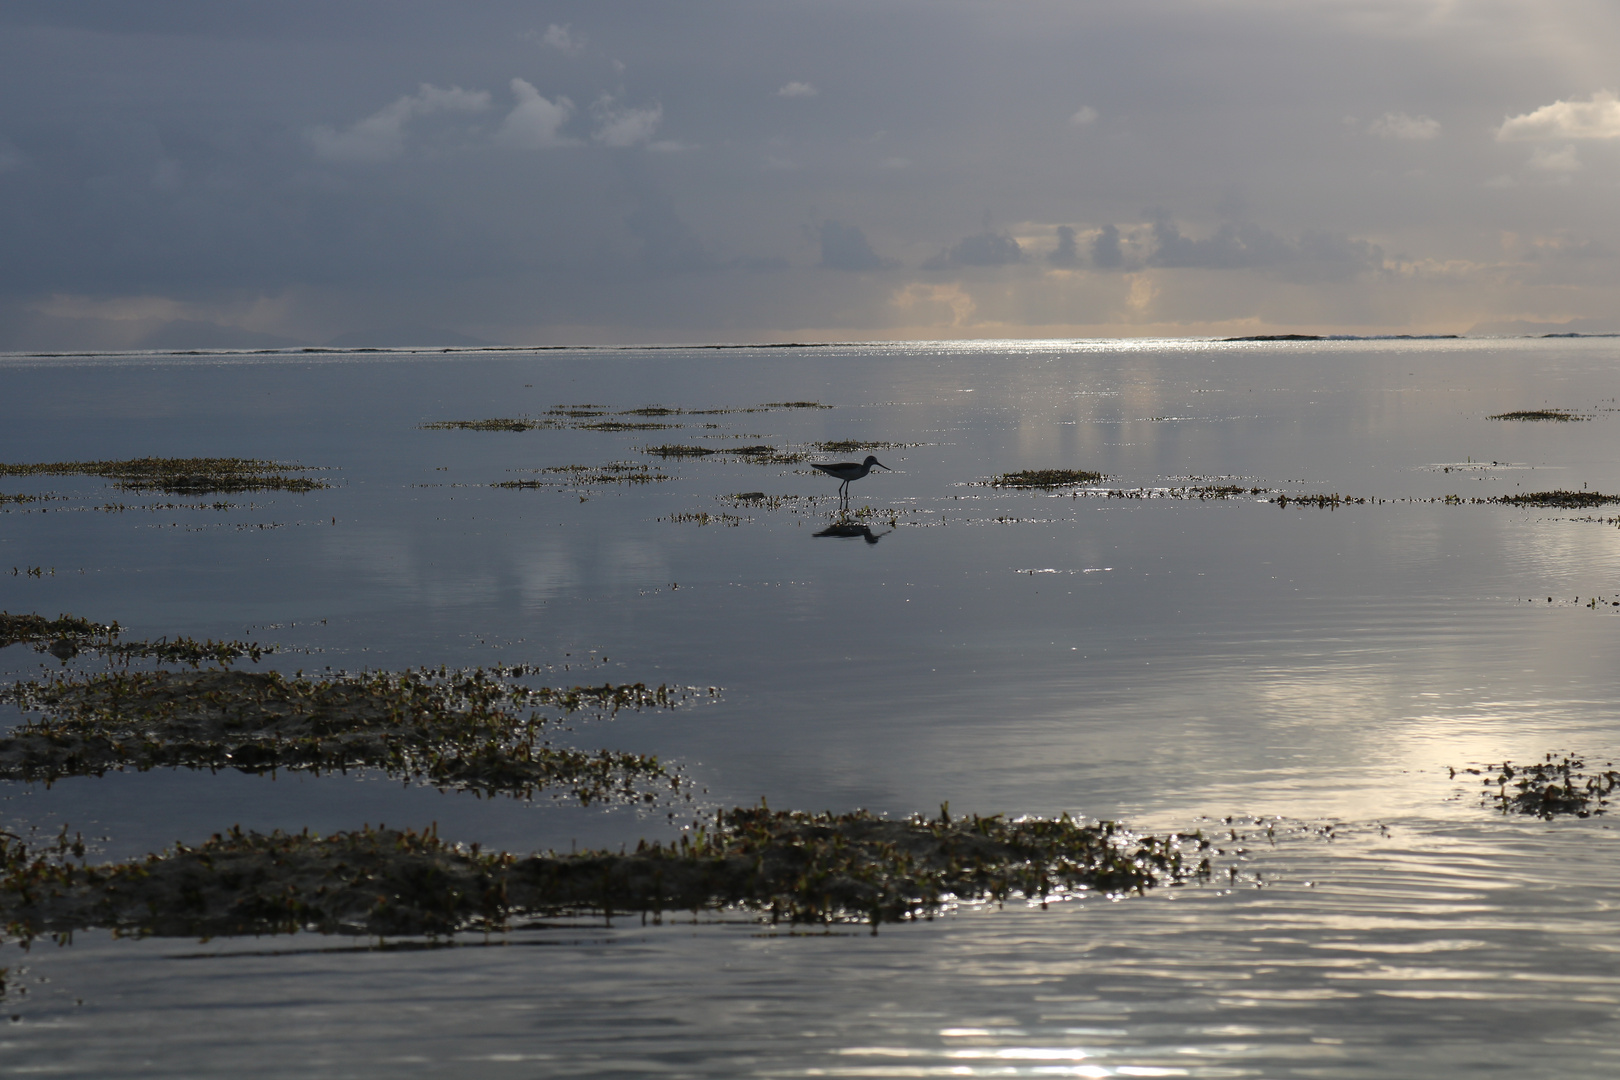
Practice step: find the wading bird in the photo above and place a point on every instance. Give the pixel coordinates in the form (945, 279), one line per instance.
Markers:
(849, 470)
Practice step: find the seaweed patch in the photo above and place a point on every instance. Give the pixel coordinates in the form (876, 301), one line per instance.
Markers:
(703, 517)
(614, 472)
(492, 424)
(181, 476)
(40, 632)
(1321, 501)
(462, 730)
(678, 450)
(624, 425)
(67, 635)
(1553, 787)
(850, 446)
(783, 866)
(1046, 478)
(1565, 500)
(768, 455)
(1563, 415)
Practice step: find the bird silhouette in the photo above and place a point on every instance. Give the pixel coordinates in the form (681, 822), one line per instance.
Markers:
(850, 470)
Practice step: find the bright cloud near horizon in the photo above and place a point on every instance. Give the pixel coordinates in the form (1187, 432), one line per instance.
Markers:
(220, 173)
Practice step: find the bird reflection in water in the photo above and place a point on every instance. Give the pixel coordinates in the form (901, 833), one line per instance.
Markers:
(849, 530)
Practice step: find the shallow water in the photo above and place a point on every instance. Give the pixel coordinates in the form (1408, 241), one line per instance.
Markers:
(1161, 660)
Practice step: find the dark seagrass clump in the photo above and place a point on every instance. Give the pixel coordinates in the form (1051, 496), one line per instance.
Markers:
(1554, 787)
(465, 730)
(784, 866)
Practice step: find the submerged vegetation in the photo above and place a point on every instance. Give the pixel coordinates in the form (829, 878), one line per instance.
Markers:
(600, 418)
(181, 476)
(461, 730)
(493, 424)
(1046, 478)
(614, 472)
(785, 866)
(1554, 787)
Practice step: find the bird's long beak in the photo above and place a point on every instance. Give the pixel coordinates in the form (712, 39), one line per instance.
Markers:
(880, 465)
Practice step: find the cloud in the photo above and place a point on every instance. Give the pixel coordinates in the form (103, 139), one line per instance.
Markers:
(1105, 249)
(844, 247)
(563, 39)
(798, 89)
(621, 127)
(534, 123)
(1084, 117)
(981, 249)
(381, 135)
(1067, 252)
(1242, 245)
(1554, 161)
(1595, 119)
(1398, 125)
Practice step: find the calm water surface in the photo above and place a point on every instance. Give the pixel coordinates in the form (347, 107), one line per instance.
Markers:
(1162, 660)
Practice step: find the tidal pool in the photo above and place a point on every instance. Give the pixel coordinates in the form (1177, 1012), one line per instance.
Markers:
(1296, 660)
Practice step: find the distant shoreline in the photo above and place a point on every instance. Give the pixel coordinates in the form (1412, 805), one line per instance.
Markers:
(431, 350)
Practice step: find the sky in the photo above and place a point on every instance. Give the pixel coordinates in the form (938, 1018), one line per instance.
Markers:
(212, 173)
